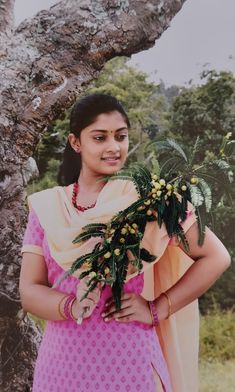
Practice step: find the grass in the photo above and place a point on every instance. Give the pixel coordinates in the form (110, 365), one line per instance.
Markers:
(216, 376)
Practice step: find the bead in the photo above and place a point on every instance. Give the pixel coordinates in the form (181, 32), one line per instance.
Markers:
(74, 198)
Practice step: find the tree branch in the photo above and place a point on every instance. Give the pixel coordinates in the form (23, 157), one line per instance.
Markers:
(6, 15)
(57, 53)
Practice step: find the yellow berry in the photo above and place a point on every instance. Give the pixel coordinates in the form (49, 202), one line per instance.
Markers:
(157, 185)
(184, 188)
(107, 255)
(154, 190)
(149, 212)
(92, 274)
(122, 240)
(154, 196)
(132, 231)
(194, 180)
(117, 252)
(86, 265)
(124, 231)
(162, 182)
(147, 202)
(169, 187)
(154, 177)
(135, 226)
(106, 271)
(159, 193)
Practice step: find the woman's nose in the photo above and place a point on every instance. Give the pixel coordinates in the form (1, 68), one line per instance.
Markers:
(113, 145)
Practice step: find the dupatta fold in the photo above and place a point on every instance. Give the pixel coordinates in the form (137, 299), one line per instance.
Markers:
(62, 223)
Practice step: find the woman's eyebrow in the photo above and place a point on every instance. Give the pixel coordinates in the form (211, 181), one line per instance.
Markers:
(105, 130)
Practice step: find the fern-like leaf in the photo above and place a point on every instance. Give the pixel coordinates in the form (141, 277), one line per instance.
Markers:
(201, 222)
(206, 191)
(196, 195)
(86, 236)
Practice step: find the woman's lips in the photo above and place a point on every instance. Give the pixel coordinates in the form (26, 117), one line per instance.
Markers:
(111, 160)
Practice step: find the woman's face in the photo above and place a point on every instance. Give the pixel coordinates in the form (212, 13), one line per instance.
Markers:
(103, 145)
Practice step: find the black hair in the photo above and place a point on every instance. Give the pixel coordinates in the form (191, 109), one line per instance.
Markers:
(84, 113)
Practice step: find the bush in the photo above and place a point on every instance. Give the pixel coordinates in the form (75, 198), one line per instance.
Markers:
(217, 335)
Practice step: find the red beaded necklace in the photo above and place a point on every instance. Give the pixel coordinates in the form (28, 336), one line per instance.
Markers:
(74, 199)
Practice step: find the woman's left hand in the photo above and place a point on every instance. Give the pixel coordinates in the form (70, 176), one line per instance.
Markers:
(133, 308)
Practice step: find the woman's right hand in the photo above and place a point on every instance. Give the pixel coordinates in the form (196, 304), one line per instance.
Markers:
(83, 309)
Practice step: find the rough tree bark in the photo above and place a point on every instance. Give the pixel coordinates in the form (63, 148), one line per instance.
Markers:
(44, 64)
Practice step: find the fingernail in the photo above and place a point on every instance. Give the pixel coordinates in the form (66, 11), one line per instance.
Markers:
(106, 319)
(103, 314)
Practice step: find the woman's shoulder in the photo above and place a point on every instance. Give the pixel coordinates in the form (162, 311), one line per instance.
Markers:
(46, 192)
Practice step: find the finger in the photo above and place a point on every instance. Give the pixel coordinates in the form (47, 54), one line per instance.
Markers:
(124, 315)
(126, 319)
(110, 313)
(124, 297)
(112, 308)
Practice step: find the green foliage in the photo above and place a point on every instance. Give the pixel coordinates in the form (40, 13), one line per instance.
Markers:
(206, 111)
(217, 335)
(48, 180)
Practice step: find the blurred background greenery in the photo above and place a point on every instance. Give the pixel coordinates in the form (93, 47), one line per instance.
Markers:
(182, 113)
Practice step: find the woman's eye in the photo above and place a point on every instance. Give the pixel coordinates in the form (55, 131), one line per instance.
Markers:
(99, 138)
(122, 137)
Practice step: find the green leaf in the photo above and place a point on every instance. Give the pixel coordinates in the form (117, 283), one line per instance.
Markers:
(146, 256)
(196, 195)
(95, 226)
(155, 166)
(200, 214)
(206, 191)
(86, 236)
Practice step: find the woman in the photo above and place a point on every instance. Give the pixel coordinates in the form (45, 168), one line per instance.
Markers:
(110, 350)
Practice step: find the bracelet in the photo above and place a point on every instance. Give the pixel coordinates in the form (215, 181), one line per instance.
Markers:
(169, 304)
(70, 309)
(153, 311)
(67, 306)
(59, 307)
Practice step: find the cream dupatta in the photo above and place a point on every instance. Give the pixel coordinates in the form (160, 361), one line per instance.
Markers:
(62, 223)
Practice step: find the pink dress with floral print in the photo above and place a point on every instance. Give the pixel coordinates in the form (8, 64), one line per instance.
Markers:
(95, 356)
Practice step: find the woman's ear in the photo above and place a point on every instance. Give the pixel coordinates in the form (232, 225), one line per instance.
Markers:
(74, 142)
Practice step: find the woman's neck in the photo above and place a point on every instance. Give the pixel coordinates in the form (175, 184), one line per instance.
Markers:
(89, 184)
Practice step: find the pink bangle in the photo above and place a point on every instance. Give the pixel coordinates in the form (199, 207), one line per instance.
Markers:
(70, 309)
(67, 306)
(153, 311)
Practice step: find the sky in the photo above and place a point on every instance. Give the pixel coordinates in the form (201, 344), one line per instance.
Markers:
(201, 36)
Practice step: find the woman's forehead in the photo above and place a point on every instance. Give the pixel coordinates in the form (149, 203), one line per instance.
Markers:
(113, 121)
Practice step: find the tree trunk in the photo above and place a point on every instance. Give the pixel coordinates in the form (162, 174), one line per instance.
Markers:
(45, 64)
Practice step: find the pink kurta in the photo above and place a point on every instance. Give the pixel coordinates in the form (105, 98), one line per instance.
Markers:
(97, 355)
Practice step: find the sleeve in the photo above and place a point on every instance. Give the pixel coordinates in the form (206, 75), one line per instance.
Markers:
(33, 236)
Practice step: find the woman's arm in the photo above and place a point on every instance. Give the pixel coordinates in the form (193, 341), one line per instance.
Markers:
(41, 300)
(211, 260)
(36, 295)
